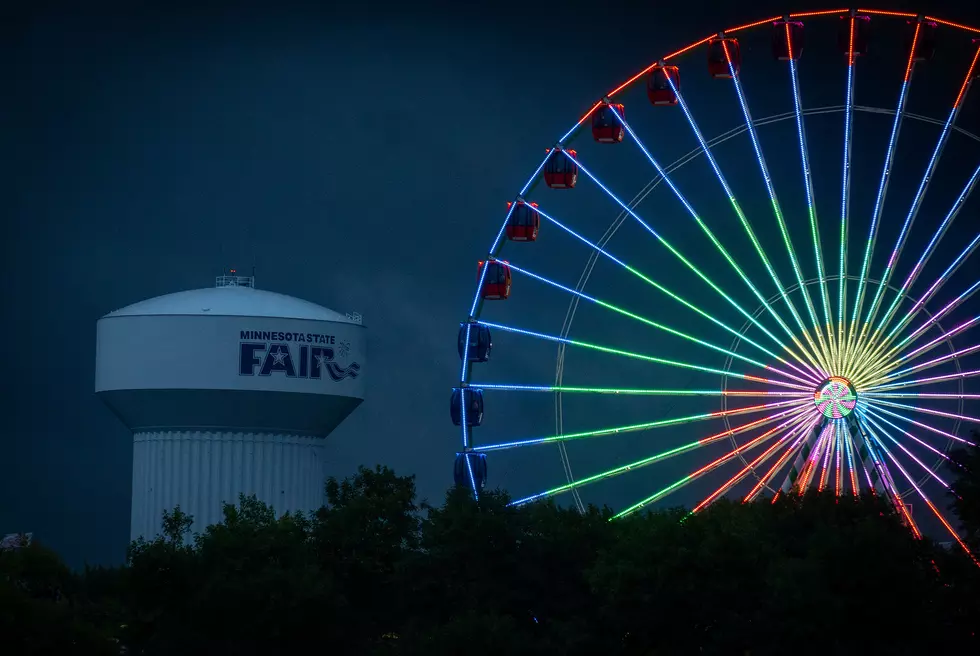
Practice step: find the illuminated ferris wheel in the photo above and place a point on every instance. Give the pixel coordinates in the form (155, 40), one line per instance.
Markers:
(811, 353)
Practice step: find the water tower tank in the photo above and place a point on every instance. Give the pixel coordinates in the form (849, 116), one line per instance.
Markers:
(227, 390)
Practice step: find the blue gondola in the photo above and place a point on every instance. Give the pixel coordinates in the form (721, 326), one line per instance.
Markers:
(478, 463)
(474, 406)
(480, 342)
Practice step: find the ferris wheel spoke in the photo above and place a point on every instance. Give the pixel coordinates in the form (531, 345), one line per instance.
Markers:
(916, 205)
(919, 306)
(877, 406)
(932, 380)
(794, 448)
(882, 189)
(820, 355)
(890, 365)
(926, 411)
(835, 344)
(641, 392)
(924, 497)
(711, 466)
(825, 347)
(711, 236)
(785, 408)
(812, 375)
(902, 373)
(800, 460)
(872, 444)
(792, 436)
(845, 206)
(929, 249)
(812, 359)
(640, 356)
(878, 335)
(665, 455)
(657, 325)
(871, 419)
(918, 332)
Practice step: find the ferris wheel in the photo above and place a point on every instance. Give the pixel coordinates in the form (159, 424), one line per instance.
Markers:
(819, 336)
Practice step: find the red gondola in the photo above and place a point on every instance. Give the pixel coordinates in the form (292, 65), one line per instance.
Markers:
(787, 40)
(659, 89)
(925, 44)
(561, 171)
(524, 222)
(496, 284)
(723, 50)
(606, 128)
(862, 34)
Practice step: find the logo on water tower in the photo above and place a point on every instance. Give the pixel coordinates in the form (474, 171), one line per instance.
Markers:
(295, 355)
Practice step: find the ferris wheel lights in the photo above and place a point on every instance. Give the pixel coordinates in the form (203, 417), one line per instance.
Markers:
(724, 57)
(663, 83)
(561, 172)
(606, 126)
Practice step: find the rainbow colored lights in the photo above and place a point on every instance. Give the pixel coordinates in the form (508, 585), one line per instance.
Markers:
(836, 398)
(820, 390)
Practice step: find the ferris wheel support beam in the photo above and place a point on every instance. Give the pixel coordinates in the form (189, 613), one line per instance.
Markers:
(883, 188)
(816, 357)
(871, 339)
(801, 458)
(777, 466)
(823, 350)
(792, 436)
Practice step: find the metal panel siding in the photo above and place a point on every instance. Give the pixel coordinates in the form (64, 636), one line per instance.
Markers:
(201, 471)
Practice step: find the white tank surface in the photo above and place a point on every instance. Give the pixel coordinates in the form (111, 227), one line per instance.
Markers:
(227, 390)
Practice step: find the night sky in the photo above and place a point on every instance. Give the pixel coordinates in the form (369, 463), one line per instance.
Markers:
(360, 157)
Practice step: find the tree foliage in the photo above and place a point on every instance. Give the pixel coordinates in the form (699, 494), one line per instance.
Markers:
(376, 572)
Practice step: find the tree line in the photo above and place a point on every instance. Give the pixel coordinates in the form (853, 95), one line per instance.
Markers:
(374, 571)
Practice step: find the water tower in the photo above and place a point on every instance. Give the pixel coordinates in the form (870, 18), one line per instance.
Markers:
(227, 390)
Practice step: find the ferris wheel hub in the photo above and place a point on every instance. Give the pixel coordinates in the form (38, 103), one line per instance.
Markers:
(835, 398)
